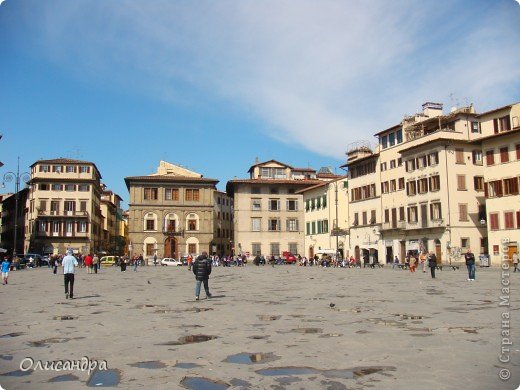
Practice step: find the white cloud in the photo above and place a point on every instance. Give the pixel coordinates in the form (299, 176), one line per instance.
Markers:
(321, 73)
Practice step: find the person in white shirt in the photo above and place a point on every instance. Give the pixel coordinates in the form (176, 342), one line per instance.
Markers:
(69, 263)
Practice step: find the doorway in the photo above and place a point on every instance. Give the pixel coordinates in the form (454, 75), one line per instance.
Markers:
(438, 251)
(170, 248)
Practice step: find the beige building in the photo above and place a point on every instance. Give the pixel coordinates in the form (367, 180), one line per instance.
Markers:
(326, 218)
(64, 207)
(112, 236)
(171, 213)
(500, 146)
(223, 228)
(268, 210)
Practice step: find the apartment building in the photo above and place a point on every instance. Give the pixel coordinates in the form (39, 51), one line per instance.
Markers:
(326, 217)
(500, 149)
(223, 229)
(268, 210)
(364, 207)
(171, 213)
(8, 225)
(112, 236)
(63, 207)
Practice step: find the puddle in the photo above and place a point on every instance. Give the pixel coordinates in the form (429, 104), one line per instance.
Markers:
(265, 317)
(463, 329)
(18, 373)
(187, 365)
(199, 383)
(63, 378)
(307, 330)
(352, 373)
(409, 316)
(14, 334)
(331, 335)
(197, 338)
(105, 378)
(240, 383)
(64, 318)
(154, 364)
(6, 357)
(250, 358)
(362, 331)
(147, 305)
(258, 337)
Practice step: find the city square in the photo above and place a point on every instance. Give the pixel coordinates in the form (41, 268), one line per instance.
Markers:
(282, 327)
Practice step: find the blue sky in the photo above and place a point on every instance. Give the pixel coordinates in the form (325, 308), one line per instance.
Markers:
(211, 85)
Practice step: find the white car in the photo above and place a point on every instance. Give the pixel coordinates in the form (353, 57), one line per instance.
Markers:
(170, 261)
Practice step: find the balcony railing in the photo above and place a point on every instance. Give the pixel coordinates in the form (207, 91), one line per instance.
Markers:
(62, 213)
(62, 234)
(426, 224)
(173, 232)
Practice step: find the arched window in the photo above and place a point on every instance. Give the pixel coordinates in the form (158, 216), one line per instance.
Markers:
(192, 222)
(149, 247)
(192, 245)
(150, 222)
(171, 223)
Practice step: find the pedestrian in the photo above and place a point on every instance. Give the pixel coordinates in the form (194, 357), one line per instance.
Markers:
(5, 269)
(95, 263)
(470, 265)
(515, 261)
(413, 260)
(189, 259)
(136, 264)
(55, 264)
(69, 263)
(432, 263)
(88, 263)
(396, 262)
(202, 270)
(422, 261)
(155, 259)
(123, 264)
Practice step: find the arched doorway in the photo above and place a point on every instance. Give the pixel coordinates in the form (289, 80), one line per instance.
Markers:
(170, 248)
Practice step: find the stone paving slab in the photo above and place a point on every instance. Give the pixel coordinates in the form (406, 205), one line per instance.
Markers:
(265, 327)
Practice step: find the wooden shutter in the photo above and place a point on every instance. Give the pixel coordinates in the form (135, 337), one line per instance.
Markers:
(495, 125)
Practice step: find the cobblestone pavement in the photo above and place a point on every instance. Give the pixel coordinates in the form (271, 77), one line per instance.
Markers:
(269, 328)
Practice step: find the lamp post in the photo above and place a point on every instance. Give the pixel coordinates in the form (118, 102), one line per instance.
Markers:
(9, 177)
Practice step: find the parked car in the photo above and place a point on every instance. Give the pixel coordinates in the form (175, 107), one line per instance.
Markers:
(170, 261)
(109, 260)
(32, 260)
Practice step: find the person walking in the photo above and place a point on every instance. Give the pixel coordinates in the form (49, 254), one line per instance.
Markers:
(95, 263)
(470, 265)
(202, 270)
(422, 261)
(69, 263)
(413, 260)
(189, 260)
(432, 263)
(88, 263)
(515, 261)
(5, 269)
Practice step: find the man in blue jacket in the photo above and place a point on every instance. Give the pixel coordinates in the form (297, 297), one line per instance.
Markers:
(202, 269)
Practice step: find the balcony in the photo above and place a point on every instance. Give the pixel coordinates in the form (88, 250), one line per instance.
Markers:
(394, 225)
(62, 234)
(426, 224)
(59, 213)
(173, 233)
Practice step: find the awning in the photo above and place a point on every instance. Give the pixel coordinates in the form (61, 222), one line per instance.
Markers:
(368, 247)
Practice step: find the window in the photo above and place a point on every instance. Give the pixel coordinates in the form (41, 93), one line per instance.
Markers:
(150, 193)
(173, 194)
(57, 168)
(401, 183)
(70, 207)
(463, 212)
(313, 228)
(82, 227)
(56, 228)
(464, 242)
(423, 186)
(42, 226)
(292, 205)
(412, 214)
(43, 187)
(150, 224)
(459, 156)
(399, 161)
(461, 182)
(274, 190)
(273, 224)
(324, 201)
(256, 248)
(83, 187)
(45, 168)
(274, 204)
(384, 187)
(70, 187)
(292, 225)
(421, 162)
(318, 203)
(478, 183)
(320, 227)
(84, 169)
(518, 151)
(356, 219)
(255, 190)
(410, 165)
(392, 164)
(293, 247)
(411, 188)
(511, 186)
(495, 189)
(43, 205)
(435, 210)
(504, 154)
(192, 194)
(364, 217)
(490, 157)
(383, 167)
(475, 128)
(275, 248)
(307, 204)
(308, 228)
(509, 220)
(373, 216)
(83, 205)
(435, 183)
(192, 248)
(399, 136)
(68, 228)
(493, 221)
(393, 187)
(192, 223)
(384, 141)
(256, 224)
(433, 159)
(70, 168)
(391, 139)
(256, 204)
(325, 225)
(401, 213)
(55, 207)
(477, 157)
(387, 216)
(502, 124)
(56, 187)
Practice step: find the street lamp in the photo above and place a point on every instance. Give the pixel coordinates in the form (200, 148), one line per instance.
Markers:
(17, 177)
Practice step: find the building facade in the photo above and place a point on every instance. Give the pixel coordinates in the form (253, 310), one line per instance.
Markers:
(223, 229)
(171, 213)
(63, 207)
(268, 210)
